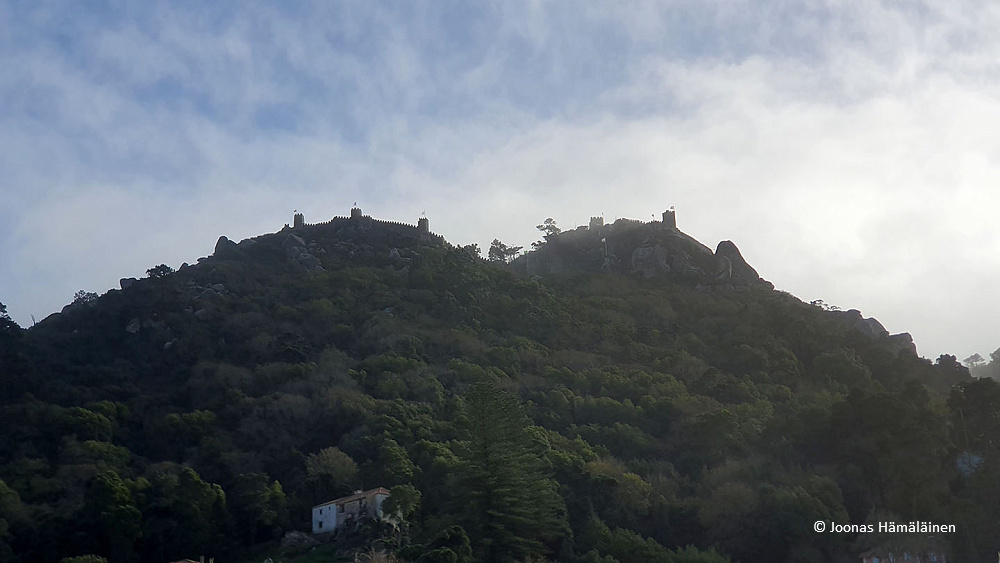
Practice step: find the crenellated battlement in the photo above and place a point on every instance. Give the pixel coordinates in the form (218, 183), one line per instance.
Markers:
(358, 218)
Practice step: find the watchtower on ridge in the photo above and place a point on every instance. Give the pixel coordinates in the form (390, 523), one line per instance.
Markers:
(670, 219)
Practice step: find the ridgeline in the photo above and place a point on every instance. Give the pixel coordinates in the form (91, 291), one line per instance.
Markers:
(622, 394)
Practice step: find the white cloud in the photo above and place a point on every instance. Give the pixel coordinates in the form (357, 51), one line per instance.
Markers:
(846, 148)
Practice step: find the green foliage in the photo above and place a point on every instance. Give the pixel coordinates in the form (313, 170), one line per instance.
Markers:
(403, 502)
(578, 417)
(182, 513)
(84, 297)
(500, 252)
(512, 504)
(112, 508)
(161, 271)
(333, 472)
(258, 506)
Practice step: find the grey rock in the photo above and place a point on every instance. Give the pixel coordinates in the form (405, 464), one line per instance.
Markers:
(870, 327)
(133, 326)
(225, 247)
(902, 342)
(293, 240)
(740, 273)
(126, 282)
(309, 262)
(292, 252)
(298, 540)
(218, 288)
(210, 295)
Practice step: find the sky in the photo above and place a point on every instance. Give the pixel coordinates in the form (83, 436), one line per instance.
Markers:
(850, 149)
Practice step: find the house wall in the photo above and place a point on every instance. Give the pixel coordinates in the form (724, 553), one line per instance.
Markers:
(325, 519)
(377, 505)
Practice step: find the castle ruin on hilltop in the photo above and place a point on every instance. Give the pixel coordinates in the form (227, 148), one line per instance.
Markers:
(358, 221)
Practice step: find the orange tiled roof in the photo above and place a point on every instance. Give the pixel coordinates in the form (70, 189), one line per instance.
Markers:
(356, 496)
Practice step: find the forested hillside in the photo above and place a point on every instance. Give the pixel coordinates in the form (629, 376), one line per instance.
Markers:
(578, 417)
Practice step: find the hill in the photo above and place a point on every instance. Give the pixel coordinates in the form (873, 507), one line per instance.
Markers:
(673, 410)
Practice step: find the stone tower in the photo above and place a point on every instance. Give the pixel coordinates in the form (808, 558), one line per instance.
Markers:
(356, 213)
(670, 219)
(596, 223)
(298, 220)
(423, 225)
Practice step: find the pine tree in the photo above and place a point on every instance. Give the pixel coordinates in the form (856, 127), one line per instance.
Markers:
(512, 506)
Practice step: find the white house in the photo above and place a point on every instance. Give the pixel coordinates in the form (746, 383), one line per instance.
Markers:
(351, 509)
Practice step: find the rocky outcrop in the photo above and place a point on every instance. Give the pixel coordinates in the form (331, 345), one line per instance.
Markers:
(871, 328)
(644, 249)
(302, 255)
(902, 342)
(225, 247)
(731, 267)
(125, 283)
(669, 251)
(298, 540)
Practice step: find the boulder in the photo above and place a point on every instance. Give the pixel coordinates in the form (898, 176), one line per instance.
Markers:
(210, 295)
(293, 240)
(309, 262)
(869, 327)
(225, 247)
(298, 540)
(126, 282)
(902, 342)
(735, 267)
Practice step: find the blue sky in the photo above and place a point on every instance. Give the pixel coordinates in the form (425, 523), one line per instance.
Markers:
(848, 148)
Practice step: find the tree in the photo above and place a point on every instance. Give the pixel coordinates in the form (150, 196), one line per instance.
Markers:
(510, 500)
(472, 250)
(974, 360)
(333, 473)
(258, 506)
(119, 522)
(549, 227)
(7, 326)
(183, 513)
(84, 297)
(161, 271)
(500, 252)
(402, 502)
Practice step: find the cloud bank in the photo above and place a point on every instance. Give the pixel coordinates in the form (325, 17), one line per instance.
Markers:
(847, 148)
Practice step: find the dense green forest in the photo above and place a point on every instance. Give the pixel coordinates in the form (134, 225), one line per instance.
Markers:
(578, 417)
